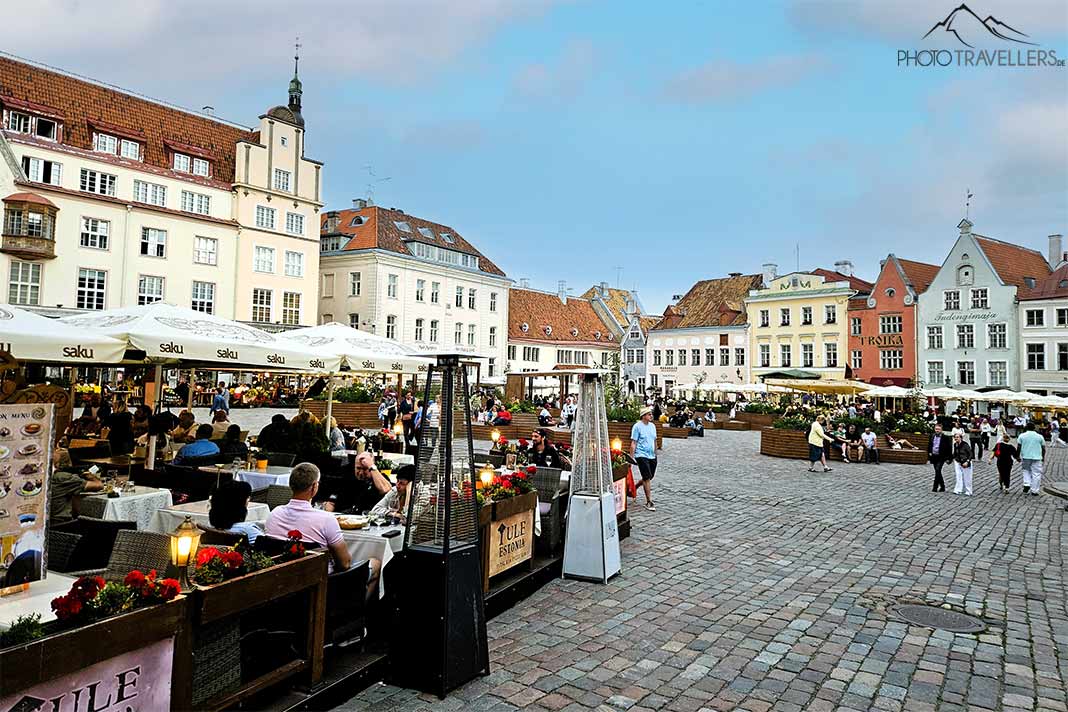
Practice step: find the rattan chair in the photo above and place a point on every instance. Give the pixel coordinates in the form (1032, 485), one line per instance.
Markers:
(260, 495)
(218, 537)
(91, 506)
(61, 548)
(280, 459)
(277, 495)
(346, 596)
(97, 543)
(143, 551)
(551, 504)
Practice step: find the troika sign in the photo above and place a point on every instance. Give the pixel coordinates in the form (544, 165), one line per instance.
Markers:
(883, 340)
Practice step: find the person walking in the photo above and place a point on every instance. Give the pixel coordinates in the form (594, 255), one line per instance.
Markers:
(962, 464)
(975, 438)
(1055, 433)
(1032, 452)
(1004, 453)
(817, 445)
(643, 450)
(940, 452)
(219, 401)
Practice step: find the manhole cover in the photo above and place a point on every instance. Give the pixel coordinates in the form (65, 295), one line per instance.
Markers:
(944, 618)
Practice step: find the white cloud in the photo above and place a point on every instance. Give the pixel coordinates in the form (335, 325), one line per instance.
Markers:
(725, 80)
(561, 78)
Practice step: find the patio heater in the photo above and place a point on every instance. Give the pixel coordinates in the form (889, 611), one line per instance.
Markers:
(440, 607)
(591, 547)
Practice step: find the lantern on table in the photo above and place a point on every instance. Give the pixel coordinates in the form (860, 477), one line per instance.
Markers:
(184, 542)
(440, 608)
(591, 546)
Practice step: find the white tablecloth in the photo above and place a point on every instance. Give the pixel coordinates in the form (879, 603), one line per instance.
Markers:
(137, 506)
(37, 599)
(370, 544)
(259, 479)
(167, 520)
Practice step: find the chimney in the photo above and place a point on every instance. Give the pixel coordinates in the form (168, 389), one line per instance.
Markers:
(208, 110)
(1056, 251)
(844, 267)
(604, 289)
(734, 274)
(359, 203)
(524, 283)
(333, 218)
(561, 291)
(771, 271)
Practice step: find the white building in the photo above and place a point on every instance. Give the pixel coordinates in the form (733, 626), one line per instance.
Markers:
(1043, 323)
(113, 199)
(623, 312)
(412, 280)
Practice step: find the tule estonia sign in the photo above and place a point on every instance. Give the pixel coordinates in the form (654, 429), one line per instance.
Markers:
(511, 542)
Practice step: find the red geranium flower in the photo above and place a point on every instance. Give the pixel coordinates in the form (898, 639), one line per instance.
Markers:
(232, 559)
(522, 442)
(294, 534)
(531, 469)
(135, 579)
(168, 588)
(206, 554)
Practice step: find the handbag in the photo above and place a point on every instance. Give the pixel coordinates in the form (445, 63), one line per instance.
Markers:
(632, 489)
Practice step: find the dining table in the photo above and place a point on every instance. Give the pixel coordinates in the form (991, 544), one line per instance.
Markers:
(166, 520)
(37, 598)
(137, 504)
(369, 543)
(259, 479)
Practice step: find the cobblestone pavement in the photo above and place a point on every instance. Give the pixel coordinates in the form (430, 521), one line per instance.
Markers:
(758, 586)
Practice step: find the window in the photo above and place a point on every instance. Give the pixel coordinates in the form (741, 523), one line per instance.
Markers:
(354, 284)
(418, 329)
(830, 355)
(281, 180)
(998, 373)
(891, 359)
(182, 163)
(354, 321)
(1035, 317)
(265, 217)
(420, 290)
(951, 299)
(806, 355)
(682, 357)
(263, 259)
(890, 324)
(806, 316)
(294, 223)
(724, 356)
(460, 297)
(854, 326)
(471, 335)
(95, 233)
(710, 357)
(435, 292)
(153, 242)
(284, 140)
(964, 272)
(151, 193)
(934, 337)
(641, 355)
(294, 264)
(739, 356)
(328, 285)
(493, 336)
(1062, 317)
(996, 336)
(391, 286)
(656, 357)
(630, 356)
(206, 251)
(130, 149)
(765, 317)
(24, 283)
(784, 317)
(830, 314)
(203, 297)
(493, 302)
(856, 359)
(654, 381)
(471, 298)
(531, 353)
(979, 298)
(42, 171)
(201, 167)
(492, 367)
(966, 373)
(784, 355)
(261, 305)
(458, 334)
(96, 182)
(291, 308)
(1036, 357)
(1062, 357)
(765, 355)
(511, 352)
(92, 284)
(669, 357)
(18, 122)
(105, 143)
(965, 336)
(330, 243)
(326, 318)
(149, 289)
(196, 203)
(936, 374)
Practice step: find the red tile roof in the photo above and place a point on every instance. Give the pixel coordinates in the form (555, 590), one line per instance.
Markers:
(1055, 286)
(830, 275)
(1014, 263)
(29, 198)
(575, 322)
(919, 274)
(81, 104)
(711, 302)
(379, 229)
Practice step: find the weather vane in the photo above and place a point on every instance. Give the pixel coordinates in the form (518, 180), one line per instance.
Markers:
(968, 202)
(296, 54)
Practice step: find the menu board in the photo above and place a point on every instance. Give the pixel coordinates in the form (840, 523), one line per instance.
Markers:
(25, 463)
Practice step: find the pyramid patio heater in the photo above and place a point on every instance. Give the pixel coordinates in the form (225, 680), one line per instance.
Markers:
(440, 606)
(591, 547)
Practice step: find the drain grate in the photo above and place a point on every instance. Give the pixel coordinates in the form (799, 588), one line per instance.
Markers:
(935, 617)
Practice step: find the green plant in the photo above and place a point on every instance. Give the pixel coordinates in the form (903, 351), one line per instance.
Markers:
(524, 407)
(25, 629)
(792, 422)
(382, 464)
(763, 408)
(910, 423)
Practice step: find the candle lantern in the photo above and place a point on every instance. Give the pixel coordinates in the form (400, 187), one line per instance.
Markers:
(184, 542)
(591, 547)
(440, 606)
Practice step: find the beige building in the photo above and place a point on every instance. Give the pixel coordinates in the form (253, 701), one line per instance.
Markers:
(113, 199)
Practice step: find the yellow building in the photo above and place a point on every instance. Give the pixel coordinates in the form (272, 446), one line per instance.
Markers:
(798, 321)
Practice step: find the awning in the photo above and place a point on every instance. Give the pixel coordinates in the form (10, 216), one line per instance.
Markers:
(359, 350)
(32, 337)
(794, 373)
(824, 385)
(888, 392)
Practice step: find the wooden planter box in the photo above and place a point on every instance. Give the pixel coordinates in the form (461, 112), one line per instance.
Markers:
(737, 425)
(26, 666)
(490, 517)
(794, 444)
(217, 603)
(360, 415)
(756, 420)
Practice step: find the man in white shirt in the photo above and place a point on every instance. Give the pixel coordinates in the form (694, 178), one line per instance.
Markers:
(871, 452)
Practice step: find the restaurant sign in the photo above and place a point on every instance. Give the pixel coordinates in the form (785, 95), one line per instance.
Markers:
(619, 492)
(883, 340)
(511, 541)
(25, 464)
(137, 681)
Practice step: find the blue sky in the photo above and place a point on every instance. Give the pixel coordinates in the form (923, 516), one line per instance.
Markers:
(677, 141)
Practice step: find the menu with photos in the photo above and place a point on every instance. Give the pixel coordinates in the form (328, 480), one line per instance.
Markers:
(25, 462)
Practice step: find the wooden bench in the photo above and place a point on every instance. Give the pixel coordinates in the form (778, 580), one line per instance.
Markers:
(667, 432)
(736, 425)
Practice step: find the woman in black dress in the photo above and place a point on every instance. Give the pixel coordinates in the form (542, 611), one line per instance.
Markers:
(1004, 452)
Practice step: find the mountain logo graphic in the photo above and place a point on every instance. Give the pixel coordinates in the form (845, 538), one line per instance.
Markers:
(965, 25)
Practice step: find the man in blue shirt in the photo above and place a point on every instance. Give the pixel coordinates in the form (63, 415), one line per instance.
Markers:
(643, 450)
(219, 401)
(200, 449)
(1032, 446)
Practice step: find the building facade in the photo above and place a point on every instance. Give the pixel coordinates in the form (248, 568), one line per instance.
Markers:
(412, 280)
(799, 320)
(1043, 321)
(703, 337)
(968, 319)
(623, 312)
(882, 327)
(115, 200)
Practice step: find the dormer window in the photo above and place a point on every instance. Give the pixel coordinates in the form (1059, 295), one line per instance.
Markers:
(130, 149)
(182, 163)
(426, 232)
(201, 167)
(402, 225)
(447, 238)
(105, 143)
(39, 126)
(18, 122)
(356, 221)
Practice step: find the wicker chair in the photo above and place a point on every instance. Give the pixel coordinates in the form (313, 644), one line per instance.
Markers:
(260, 495)
(551, 504)
(280, 459)
(135, 550)
(61, 548)
(97, 543)
(346, 595)
(91, 506)
(218, 537)
(277, 495)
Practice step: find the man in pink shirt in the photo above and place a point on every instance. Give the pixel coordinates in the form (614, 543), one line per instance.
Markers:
(314, 525)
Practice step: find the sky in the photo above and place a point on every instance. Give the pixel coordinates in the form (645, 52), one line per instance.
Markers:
(644, 145)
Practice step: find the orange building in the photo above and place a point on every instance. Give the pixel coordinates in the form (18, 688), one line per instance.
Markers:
(882, 329)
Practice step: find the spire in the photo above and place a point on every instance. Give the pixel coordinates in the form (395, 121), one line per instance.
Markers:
(295, 89)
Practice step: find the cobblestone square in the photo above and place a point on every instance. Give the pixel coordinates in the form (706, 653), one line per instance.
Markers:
(759, 586)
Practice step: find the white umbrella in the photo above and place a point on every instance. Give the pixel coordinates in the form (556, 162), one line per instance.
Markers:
(1006, 396)
(360, 350)
(888, 392)
(32, 337)
(943, 393)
